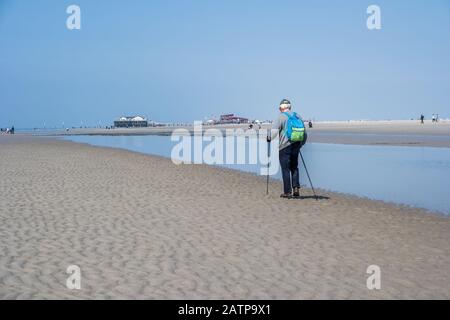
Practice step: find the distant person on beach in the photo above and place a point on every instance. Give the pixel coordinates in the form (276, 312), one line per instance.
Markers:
(422, 117)
(12, 130)
(292, 135)
(310, 125)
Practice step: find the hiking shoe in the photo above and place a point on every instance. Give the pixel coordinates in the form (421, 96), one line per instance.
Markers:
(285, 195)
(296, 192)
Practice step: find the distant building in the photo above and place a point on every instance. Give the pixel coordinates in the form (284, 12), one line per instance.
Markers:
(131, 122)
(231, 118)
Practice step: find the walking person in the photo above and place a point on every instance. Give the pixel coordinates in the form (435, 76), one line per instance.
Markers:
(422, 117)
(292, 136)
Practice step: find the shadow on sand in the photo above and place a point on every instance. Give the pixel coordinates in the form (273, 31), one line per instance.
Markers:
(310, 197)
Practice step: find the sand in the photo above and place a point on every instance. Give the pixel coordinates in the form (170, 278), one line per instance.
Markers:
(395, 133)
(140, 227)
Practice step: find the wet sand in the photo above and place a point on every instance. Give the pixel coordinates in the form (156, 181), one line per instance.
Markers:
(140, 227)
(396, 133)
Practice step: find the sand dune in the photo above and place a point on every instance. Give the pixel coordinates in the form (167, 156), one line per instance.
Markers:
(140, 227)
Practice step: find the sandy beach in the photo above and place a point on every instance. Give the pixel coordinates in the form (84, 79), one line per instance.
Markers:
(140, 227)
(395, 133)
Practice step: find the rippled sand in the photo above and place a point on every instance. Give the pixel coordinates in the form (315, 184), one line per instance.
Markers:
(140, 227)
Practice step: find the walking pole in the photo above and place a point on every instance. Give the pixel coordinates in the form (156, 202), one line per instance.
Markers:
(307, 173)
(268, 166)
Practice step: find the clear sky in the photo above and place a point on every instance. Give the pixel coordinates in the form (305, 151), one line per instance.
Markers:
(187, 60)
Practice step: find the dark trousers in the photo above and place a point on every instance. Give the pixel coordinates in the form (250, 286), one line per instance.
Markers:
(289, 166)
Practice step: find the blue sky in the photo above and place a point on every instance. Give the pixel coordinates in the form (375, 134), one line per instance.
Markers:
(185, 60)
